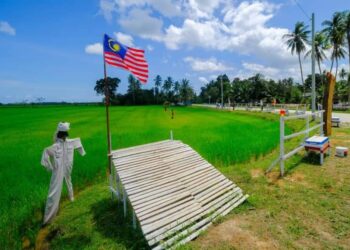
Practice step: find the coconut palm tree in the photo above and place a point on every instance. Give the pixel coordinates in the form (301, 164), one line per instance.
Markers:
(321, 45)
(167, 85)
(186, 91)
(347, 31)
(176, 89)
(296, 42)
(157, 84)
(342, 74)
(335, 32)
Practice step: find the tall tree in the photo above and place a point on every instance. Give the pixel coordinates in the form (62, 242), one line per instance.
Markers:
(157, 84)
(342, 74)
(134, 87)
(186, 91)
(112, 84)
(321, 45)
(347, 31)
(335, 31)
(296, 42)
(167, 85)
(176, 90)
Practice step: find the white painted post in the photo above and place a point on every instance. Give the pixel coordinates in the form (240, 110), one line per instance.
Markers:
(307, 126)
(321, 122)
(281, 145)
(111, 185)
(124, 201)
(117, 185)
(133, 219)
(171, 135)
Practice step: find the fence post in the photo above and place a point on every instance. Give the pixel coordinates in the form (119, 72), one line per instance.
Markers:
(117, 185)
(281, 145)
(134, 219)
(307, 126)
(321, 122)
(124, 201)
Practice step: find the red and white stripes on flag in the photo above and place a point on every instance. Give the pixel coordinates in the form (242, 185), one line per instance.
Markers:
(134, 61)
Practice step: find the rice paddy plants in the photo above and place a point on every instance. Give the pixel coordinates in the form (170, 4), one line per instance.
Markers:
(222, 138)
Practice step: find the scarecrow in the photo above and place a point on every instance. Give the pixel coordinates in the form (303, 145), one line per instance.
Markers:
(58, 158)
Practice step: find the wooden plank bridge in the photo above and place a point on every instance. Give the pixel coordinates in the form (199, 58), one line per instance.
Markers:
(175, 194)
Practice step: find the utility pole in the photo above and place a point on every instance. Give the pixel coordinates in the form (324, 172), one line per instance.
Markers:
(222, 94)
(313, 86)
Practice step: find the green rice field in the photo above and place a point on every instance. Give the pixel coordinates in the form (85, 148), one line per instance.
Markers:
(223, 138)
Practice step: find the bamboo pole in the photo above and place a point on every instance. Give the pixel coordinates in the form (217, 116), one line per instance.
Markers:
(107, 103)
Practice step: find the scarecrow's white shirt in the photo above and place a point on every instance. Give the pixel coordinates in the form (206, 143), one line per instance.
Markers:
(62, 152)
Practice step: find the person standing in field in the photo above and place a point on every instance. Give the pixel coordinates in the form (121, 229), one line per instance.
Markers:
(58, 158)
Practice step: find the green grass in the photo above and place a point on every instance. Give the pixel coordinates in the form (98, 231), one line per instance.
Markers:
(223, 138)
(307, 209)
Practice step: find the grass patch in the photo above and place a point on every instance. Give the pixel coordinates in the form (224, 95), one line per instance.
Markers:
(223, 138)
(307, 209)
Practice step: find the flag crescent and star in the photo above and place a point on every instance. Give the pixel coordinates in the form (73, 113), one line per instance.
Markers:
(131, 59)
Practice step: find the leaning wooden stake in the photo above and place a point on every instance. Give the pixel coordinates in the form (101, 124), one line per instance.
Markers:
(328, 104)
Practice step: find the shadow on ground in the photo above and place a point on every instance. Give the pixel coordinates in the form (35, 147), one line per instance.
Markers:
(109, 221)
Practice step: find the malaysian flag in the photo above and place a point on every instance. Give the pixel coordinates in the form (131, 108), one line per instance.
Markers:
(131, 59)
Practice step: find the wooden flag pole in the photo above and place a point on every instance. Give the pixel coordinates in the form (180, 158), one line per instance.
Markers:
(107, 103)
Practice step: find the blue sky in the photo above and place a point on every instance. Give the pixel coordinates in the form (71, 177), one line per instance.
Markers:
(51, 49)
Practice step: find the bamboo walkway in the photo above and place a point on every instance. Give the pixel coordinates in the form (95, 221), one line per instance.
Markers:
(175, 194)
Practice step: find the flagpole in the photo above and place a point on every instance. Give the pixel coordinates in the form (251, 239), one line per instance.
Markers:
(107, 103)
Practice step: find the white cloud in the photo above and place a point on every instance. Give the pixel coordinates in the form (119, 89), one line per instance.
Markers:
(193, 33)
(150, 48)
(107, 7)
(207, 65)
(139, 22)
(201, 8)
(168, 8)
(5, 27)
(221, 25)
(95, 48)
(276, 73)
(202, 79)
(269, 72)
(124, 39)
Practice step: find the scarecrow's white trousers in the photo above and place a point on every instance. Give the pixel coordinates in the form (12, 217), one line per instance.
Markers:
(55, 190)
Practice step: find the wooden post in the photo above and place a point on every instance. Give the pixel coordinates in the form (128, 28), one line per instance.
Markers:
(281, 145)
(328, 104)
(107, 103)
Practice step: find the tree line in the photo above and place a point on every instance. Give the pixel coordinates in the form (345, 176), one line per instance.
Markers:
(257, 88)
(164, 91)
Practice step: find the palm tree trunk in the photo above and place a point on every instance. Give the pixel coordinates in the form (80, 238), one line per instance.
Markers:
(301, 70)
(348, 37)
(336, 68)
(332, 61)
